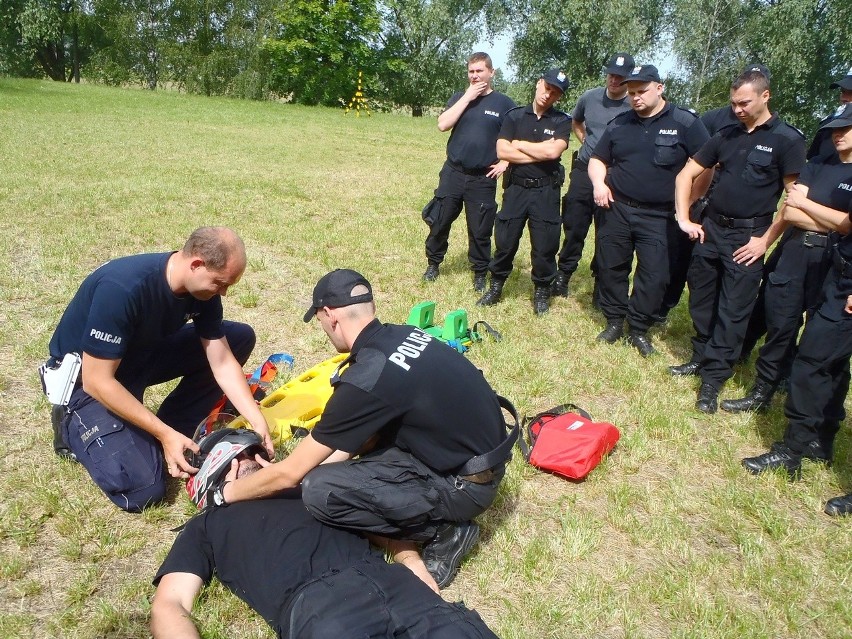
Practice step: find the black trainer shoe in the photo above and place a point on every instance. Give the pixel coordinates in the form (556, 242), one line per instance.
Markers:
(493, 294)
(443, 555)
(708, 398)
(839, 506)
(779, 456)
(541, 300)
(431, 273)
(757, 400)
(685, 370)
(479, 282)
(559, 287)
(641, 343)
(612, 333)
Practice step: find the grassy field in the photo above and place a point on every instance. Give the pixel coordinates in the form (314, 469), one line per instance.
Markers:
(667, 538)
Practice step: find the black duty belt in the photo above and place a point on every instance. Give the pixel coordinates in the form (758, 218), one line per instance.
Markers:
(740, 223)
(843, 266)
(811, 239)
(480, 469)
(534, 183)
(650, 206)
(458, 167)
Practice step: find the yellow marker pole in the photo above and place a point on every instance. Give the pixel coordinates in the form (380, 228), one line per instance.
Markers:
(358, 101)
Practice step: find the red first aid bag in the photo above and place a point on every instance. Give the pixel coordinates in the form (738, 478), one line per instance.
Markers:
(567, 442)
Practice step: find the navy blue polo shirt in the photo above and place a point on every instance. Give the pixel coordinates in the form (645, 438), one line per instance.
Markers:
(717, 119)
(418, 394)
(644, 155)
(523, 124)
(473, 140)
(752, 166)
(126, 304)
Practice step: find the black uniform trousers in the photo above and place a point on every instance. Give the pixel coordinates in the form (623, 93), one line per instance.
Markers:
(372, 599)
(578, 212)
(624, 229)
(478, 194)
(794, 287)
(819, 380)
(539, 208)
(391, 493)
(722, 295)
(757, 322)
(125, 461)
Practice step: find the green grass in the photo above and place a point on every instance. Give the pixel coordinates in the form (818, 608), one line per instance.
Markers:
(668, 537)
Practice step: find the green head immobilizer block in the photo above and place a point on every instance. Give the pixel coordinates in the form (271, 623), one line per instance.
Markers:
(422, 316)
(455, 326)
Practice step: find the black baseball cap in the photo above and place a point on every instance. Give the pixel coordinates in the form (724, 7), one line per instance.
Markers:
(757, 67)
(844, 83)
(646, 73)
(335, 290)
(841, 119)
(620, 64)
(556, 78)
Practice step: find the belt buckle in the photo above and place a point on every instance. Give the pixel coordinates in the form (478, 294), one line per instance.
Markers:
(727, 222)
(806, 239)
(530, 183)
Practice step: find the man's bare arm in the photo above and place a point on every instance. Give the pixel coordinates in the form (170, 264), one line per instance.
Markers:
(171, 610)
(579, 129)
(542, 151)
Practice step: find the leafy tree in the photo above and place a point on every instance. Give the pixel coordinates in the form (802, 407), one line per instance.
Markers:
(423, 44)
(319, 46)
(578, 36)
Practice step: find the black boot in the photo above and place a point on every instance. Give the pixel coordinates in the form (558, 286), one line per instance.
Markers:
(493, 294)
(707, 399)
(639, 340)
(541, 300)
(685, 370)
(479, 282)
(559, 287)
(757, 400)
(612, 333)
(431, 273)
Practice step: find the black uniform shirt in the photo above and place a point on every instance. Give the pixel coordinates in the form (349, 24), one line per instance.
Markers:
(644, 155)
(829, 182)
(418, 394)
(717, 119)
(752, 166)
(262, 551)
(522, 124)
(473, 140)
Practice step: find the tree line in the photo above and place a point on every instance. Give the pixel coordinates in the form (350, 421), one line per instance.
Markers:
(412, 52)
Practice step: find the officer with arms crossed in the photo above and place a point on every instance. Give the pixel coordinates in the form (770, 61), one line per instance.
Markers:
(307, 580)
(129, 320)
(469, 176)
(819, 381)
(428, 427)
(757, 159)
(532, 139)
(595, 108)
(643, 149)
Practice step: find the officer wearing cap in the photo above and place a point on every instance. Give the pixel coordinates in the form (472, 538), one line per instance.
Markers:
(819, 382)
(632, 169)
(593, 111)
(758, 159)
(822, 144)
(427, 426)
(795, 286)
(469, 175)
(532, 139)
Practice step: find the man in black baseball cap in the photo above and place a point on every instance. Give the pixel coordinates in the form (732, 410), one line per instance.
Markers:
(594, 109)
(426, 426)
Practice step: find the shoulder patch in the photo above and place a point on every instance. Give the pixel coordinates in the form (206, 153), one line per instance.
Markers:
(366, 370)
(791, 131)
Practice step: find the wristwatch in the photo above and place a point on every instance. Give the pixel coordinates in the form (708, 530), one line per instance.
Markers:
(216, 496)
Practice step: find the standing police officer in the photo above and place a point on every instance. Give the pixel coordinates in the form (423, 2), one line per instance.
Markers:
(795, 285)
(819, 382)
(595, 108)
(469, 176)
(757, 160)
(532, 139)
(644, 149)
(427, 425)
